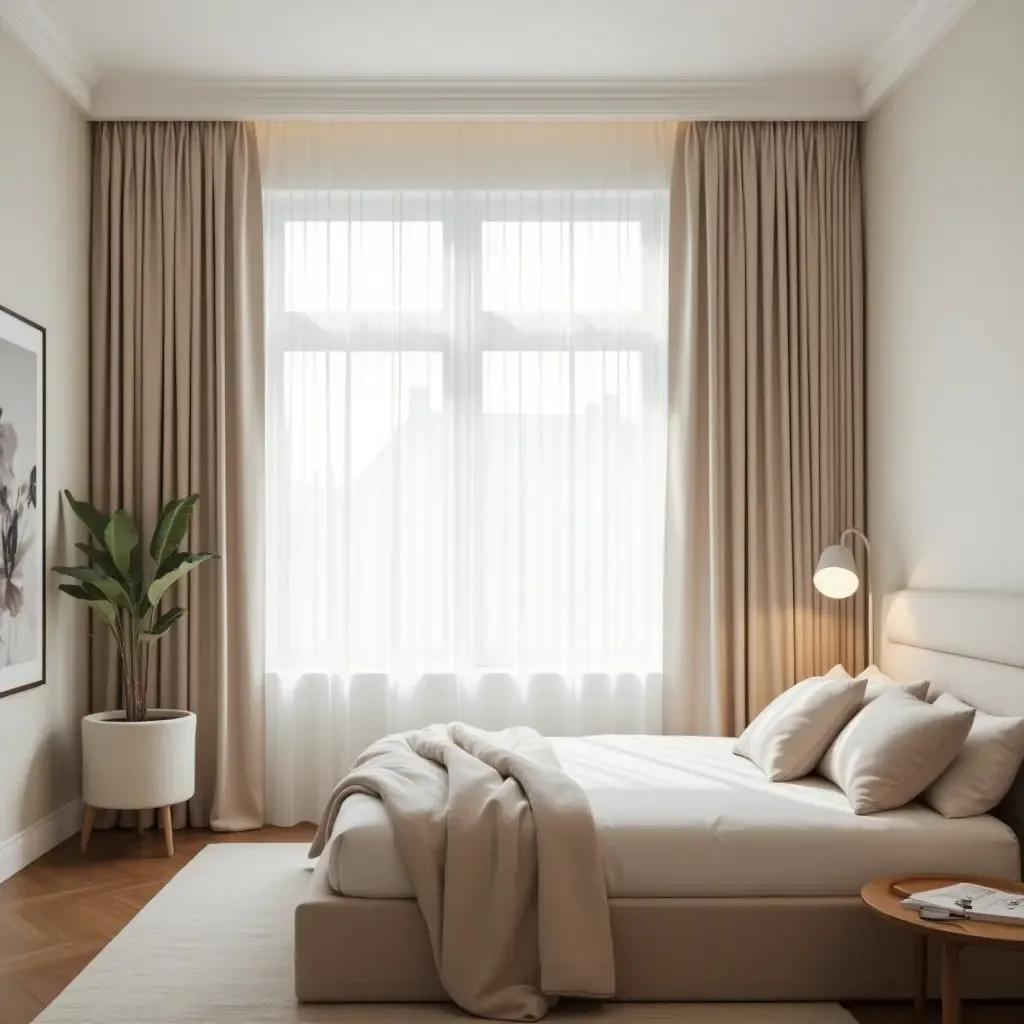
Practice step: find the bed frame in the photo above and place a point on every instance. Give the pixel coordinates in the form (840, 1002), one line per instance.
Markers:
(785, 948)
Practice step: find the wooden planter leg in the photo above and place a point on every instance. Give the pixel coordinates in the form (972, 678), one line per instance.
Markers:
(165, 817)
(87, 820)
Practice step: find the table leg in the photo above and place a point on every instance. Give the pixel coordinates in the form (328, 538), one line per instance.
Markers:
(950, 982)
(920, 975)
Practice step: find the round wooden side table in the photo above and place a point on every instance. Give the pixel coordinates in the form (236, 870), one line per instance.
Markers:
(883, 895)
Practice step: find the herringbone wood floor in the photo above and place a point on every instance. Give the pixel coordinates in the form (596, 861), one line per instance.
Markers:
(58, 913)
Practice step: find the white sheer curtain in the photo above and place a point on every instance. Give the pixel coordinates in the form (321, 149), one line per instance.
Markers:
(466, 408)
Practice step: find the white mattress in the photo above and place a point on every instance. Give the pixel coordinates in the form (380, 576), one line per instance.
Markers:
(682, 816)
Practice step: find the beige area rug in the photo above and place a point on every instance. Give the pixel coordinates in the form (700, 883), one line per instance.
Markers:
(214, 946)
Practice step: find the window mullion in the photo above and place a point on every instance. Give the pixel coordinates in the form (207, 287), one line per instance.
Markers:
(463, 224)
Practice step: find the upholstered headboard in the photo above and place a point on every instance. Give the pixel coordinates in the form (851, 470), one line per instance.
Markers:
(968, 643)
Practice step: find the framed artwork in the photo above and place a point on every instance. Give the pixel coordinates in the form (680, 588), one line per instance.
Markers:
(22, 491)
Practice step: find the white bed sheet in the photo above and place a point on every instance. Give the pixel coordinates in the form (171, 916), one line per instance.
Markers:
(682, 816)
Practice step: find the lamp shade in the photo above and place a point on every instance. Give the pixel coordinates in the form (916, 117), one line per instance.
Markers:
(836, 575)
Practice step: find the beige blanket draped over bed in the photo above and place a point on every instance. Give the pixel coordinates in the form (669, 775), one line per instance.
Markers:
(503, 853)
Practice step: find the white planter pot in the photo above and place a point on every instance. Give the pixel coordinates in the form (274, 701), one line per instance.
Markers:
(136, 765)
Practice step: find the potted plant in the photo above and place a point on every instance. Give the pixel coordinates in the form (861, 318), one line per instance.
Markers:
(138, 757)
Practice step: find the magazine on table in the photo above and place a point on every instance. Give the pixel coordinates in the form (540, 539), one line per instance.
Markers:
(971, 902)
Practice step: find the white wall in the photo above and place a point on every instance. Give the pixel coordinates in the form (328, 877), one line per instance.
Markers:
(944, 180)
(44, 224)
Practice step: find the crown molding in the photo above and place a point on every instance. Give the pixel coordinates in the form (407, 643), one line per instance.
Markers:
(827, 97)
(154, 97)
(40, 31)
(902, 50)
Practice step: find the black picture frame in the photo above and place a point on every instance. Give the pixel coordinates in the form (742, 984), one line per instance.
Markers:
(15, 330)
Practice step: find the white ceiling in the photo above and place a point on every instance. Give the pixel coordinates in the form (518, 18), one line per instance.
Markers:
(196, 57)
(480, 38)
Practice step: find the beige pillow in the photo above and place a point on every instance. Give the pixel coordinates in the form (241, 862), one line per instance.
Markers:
(879, 682)
(787, 739)
(893, 750)
(985, 768)
(837, 672)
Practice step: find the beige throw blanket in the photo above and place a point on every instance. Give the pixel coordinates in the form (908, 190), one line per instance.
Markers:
(503, 853)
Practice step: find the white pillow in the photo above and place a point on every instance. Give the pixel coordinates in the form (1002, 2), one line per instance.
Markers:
(894, 749)
(787, 739)
(985, 768)
(879, 682)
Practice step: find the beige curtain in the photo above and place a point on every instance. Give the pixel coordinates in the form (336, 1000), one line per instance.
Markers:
(177, 406)
(766, 399)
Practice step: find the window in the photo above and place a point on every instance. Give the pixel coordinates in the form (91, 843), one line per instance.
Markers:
(465, 430)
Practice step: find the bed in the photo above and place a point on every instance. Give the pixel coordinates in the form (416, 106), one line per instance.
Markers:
(709, 866)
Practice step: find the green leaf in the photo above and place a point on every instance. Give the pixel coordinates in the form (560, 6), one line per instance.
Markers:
(98, 557)
(82, 592)
(95, 521)
(172, 570)
(162, 624)
(141, 600)
(171, 528)
(94, 598)
(111, 588)
(121, 537)
(101, 559)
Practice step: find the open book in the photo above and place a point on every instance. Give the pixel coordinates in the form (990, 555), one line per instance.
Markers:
(973, 902)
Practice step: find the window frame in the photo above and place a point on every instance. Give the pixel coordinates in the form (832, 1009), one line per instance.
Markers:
(453, 331)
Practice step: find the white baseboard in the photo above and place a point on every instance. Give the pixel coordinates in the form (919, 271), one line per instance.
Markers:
(20, 850)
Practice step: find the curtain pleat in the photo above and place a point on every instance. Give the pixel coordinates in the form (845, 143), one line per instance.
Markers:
(177, 385)
(766, 461)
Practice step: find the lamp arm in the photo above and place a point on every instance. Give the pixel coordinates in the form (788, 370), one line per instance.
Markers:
(854, 532)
